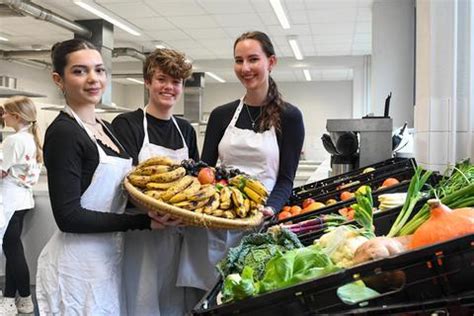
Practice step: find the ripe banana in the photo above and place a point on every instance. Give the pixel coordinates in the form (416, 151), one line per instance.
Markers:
(237, 181)
(237, 197)
(176, 174)
(198, 210)
(247, 205)
(160, 186)
(256, 186)
(158, 160)
(212, 204)
(156, 194)
(241, 211)
(139, 181)
(148, 171)
(254, 196)
(183, 194)
(229, 214)
(192, 205)
(225, 198)
(218, 213)
(204, 193)
(181, 185)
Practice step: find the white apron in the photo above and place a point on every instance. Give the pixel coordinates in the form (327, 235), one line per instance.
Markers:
(151, 257)
(80, 274)
(254, 153)
(17, 195)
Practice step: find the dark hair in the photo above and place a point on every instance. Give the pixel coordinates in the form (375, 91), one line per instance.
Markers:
(61, 50)
(273, 105)
(170, 62)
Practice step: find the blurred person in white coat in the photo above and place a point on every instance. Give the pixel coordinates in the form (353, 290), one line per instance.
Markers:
(22, 159)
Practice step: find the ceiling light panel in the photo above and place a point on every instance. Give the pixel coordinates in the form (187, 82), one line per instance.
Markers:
(307, 75)
(295, 48)
(280, 13)
(214, 76)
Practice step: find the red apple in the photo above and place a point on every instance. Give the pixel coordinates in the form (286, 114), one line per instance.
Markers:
(223, 182)
(206, 176)
(307, 202)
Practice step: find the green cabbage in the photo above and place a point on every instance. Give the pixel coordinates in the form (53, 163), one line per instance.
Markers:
(255, 250)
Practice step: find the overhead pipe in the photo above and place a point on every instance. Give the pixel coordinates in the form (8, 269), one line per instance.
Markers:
(25, 54)
(45, 53)
(130, 52)
(41, 13)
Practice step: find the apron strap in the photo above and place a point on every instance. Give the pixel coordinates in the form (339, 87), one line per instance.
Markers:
(70, 111)
(237, 112)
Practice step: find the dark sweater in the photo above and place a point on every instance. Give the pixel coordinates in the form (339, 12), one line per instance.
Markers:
(71, 159)
(129, 130)
(290, 143)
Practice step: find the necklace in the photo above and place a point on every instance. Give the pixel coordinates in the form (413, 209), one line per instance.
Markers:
(100, 135)
(251, 118)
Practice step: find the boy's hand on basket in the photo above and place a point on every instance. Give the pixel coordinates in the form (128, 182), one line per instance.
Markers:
(162, 221)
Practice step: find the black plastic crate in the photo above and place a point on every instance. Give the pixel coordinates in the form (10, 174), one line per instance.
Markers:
(409, 281)
(382, 168)
(333, 208)
(454, 305)
(334, 191)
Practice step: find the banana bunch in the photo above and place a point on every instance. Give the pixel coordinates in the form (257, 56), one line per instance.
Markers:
(252, 188)
(166, 181)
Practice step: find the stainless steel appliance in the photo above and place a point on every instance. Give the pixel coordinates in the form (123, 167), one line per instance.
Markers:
(356, 143)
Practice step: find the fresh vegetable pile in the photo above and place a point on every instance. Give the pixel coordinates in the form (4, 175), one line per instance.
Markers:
(252, 269)
(455, 191)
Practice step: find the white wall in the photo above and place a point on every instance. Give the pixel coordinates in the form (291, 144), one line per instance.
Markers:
(393, 58)
(444, 110)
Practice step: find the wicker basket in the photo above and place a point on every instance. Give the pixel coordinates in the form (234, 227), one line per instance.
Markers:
(148, 203)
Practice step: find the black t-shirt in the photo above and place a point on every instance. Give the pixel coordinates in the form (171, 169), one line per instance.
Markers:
(129, 130)
(71, 158)
(290, 143)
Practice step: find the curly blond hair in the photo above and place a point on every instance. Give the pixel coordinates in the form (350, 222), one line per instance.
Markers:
(169, 61)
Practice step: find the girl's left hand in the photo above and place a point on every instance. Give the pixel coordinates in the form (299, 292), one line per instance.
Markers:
(267, 211)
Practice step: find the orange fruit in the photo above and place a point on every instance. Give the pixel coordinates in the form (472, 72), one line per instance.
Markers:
(295, 210)
(389, 182)
(284, 215)
(346, 195)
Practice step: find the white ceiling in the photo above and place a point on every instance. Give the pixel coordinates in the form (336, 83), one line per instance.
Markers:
(206, 29)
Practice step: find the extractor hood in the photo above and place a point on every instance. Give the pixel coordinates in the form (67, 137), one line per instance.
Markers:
(8, 89)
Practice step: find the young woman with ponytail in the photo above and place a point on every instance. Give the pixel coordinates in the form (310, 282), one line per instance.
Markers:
(260, 134)
(22, 159)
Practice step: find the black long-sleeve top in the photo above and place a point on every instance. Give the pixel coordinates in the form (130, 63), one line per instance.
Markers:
(71, 158)
(290, 143)
(129, 130)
